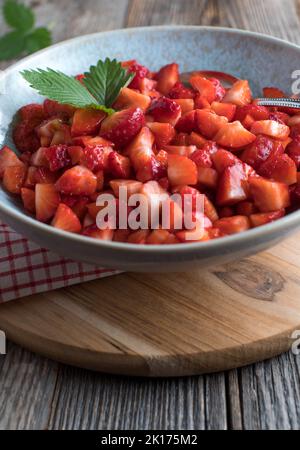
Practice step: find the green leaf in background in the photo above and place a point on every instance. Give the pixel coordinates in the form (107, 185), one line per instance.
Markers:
(61, 88)
(11, 45)
(38, 39)
(105, 80)
(18, 16)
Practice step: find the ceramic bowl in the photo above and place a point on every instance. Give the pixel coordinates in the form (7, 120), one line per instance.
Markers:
(264, 60)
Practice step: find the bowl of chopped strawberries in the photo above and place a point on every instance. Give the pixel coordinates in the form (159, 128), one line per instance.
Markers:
(116, 152)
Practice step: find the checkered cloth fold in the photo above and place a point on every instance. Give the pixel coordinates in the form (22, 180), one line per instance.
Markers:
(27, 269)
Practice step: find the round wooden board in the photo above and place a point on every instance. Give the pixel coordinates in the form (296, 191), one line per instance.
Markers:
(167, 324)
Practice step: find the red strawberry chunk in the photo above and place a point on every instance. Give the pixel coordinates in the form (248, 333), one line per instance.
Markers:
(181, 91)
(25, 137)
(187, 123)
(119, 165)
(77, 181)
(234, 135)
(232, 225)
(129, 98)
(164, 109)
(293, 150)
(224, 109)
(86, 121)
(202, 157)
(208, 177)
(233, 186)
(255, 111)
(58, 157)
(183, 150)
(181, 170)
(262, 218)
(33, 113)
(163, 133)
(43, 175)
(271, 128)
(239, 94)
(94, 232)
(28, 198)
(122, 126)
(140, 72)
(55, 109)
(222, 159)
(167, 77)
(205, 87)
(95, 157)
(46, 201)
(269, 195)
(8, 158)
(209, 123)
(280, 168)
(140, 149)
(14, 178)
(65, 219)
(259, 151)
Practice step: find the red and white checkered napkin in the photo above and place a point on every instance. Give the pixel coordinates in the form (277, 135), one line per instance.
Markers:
(26, 269)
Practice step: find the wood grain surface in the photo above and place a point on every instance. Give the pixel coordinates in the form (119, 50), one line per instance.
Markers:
(37, 393)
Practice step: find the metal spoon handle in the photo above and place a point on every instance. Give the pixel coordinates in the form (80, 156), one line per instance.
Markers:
(283, 102)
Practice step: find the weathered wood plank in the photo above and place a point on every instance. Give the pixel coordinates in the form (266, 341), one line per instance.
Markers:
(27, 387)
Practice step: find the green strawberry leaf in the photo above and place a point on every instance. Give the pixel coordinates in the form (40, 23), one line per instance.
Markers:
(38, 39)
(11, 45)
(18, 16)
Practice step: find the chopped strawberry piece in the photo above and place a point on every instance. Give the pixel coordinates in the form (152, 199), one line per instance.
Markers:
(39, 158)
(233, 186)
(196, 139)
(269, 195)
(181, 91)
(80, 77)
(76, 154)
(222, 159)
(181, 170)
(205, 87)
(65, 219)
(293, 150)
(58, 157)
(279, 117)
(28, 198)
(259, 151)
(87, 121)
(224, 109)
(132, 186)
(164, 109)
(226, 211)
(129, 98)
(280, 168)
(246, 208)
(44, 175)
(84, 141)
(48, 129)
(77, 181)
(95, 157)
(138, 237)
(163, 133)
(14, 178)
(122, 126)
(201, 102)
(234, 135)
(187, 122)
(121, 235)
(181, 139)
(55, 109)
(33, 113)
(186, 104)
(273, 92)
(209, 123)
(46, 201)
(119, 165)
(140, 72)
(8, 158)
(262, 218)
(167, 77)
(202, 157)
(255, 111)
(239, 94)
(270, 128)
(232, 225)
(220, 90)
(199, 233)
(25, 137)
(62, 136)
(208, 177)
(158, 237)
(183, 150)
(140, 149)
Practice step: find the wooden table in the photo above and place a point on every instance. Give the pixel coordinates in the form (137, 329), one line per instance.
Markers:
(36, 393)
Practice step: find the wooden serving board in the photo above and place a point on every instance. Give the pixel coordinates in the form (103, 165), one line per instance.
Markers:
(167, 324)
